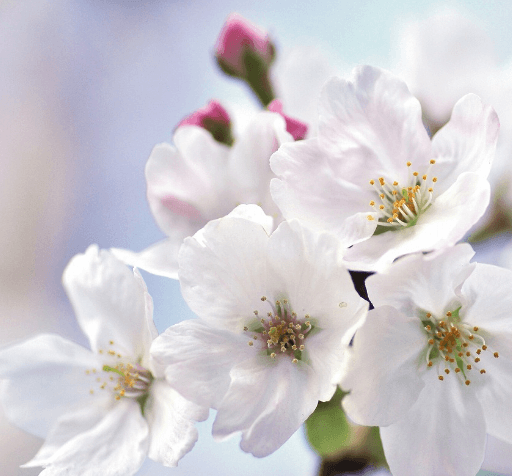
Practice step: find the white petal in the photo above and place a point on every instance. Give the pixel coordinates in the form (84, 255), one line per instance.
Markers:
(255, 214)
(186, 184)
(427, 282)
(311, 192)
(443, 433)
(371, 124)
(45, 378)
(222, 276)
(171, 423)
(67, 427)
(116, 446)
(442, 225)
(307, 269)
(249, 159)
(160, 259)
(109, 302)
(267, 401)
(487, 291)
(198, 359)
(467, 143)
(382, 373)
(488, 299)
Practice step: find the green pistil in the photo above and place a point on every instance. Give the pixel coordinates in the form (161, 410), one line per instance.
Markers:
(107, 368)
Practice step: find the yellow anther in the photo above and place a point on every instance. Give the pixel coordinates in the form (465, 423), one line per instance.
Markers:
(409, 164)
(449, 314)
(415, 174)
(294, 361)
(434, 179)
(273, 355)
(372, 203)
(381, 181)
(111, 342)
(395, 183)
(381, 195)
(496, 355)
(369, 217)
(372, 182)
(424, 177)
(432, 162)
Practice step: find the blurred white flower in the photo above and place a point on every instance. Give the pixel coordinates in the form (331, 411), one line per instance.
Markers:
(374, 170)
(439, 373)
(102, 410)
(199, 179)
(276, 315)
(447, 55)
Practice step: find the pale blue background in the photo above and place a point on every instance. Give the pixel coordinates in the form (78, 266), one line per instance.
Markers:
(127, 72)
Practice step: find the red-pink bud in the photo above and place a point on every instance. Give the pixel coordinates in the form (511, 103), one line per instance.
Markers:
(214, 118)
(295, 127)
(237, 38)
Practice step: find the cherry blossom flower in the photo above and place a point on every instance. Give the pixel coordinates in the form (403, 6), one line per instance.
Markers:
(275, 316)
(199, 179)
(373, 165)
(432, 364)
(102, 410)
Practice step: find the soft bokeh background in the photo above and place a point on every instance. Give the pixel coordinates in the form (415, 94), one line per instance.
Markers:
(88, 87)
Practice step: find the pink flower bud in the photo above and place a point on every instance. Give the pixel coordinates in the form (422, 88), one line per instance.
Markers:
(238, 38)
(295, 127)
(214, 118)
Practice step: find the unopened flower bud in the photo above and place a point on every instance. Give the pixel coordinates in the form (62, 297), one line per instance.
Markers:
(245, 51)
(215, 119)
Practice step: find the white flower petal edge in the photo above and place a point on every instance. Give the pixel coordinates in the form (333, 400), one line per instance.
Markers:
(102, 411)
(373, 161)
(159, 259)
(199, 179)
(276, 315)
(438, 344)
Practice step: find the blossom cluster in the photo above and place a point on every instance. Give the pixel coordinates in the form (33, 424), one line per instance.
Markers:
(265, 230)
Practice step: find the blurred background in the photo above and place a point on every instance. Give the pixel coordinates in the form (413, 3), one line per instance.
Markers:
(88, 87)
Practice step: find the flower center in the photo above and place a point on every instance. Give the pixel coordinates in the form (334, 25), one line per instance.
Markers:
(401, 205)
(281, 332)
(121, 378)
(455, 343)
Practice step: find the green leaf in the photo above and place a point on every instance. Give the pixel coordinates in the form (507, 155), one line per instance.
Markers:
(328, 429)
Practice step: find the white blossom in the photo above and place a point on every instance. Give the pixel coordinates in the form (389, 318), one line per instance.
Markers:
(373, 169)
(276, 314)
(432, 364)
(199, 179)
(103, 410)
